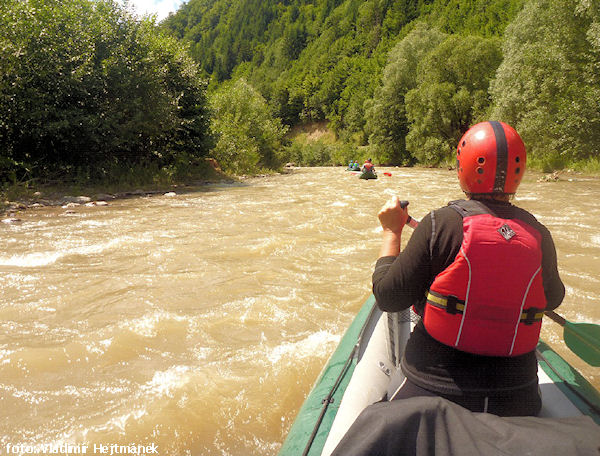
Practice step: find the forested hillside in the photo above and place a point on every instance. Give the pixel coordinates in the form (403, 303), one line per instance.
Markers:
(408, 77)
(321, 59)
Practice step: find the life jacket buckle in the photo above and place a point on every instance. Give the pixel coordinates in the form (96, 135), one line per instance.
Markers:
(451, 303)
(531, 315)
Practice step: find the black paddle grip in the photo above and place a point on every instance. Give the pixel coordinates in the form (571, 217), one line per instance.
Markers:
(403, 205)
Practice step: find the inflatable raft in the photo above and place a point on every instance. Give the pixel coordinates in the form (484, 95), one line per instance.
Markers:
(367, 175)
(358, 375)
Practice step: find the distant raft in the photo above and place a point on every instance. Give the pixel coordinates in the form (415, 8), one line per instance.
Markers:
(368, 175)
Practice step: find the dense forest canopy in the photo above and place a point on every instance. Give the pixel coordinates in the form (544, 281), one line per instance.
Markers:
(87, 87)
(548, 84)
(322, 59)
(345, 61)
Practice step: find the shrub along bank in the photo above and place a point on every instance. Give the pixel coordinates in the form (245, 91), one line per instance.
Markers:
(89, 91)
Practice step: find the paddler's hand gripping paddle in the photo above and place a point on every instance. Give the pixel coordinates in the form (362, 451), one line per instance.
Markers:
(409, 221)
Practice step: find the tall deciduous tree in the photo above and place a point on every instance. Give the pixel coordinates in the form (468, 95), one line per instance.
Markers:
(386, 120)
(548, 85)
(451, 94)
(249, 137)
(87, 86)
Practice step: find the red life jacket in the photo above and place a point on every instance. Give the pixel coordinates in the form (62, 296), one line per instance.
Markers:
(490, 300)
(368, 166)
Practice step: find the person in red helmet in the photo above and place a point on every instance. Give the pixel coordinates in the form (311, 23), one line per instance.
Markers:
(480, 272)
(368, 170)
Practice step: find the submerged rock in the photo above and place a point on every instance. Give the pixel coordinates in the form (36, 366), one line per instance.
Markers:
(104, 197)
(553, 177)
(11, 220)
(77, 199)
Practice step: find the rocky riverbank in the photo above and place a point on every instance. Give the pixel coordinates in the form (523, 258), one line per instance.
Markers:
(58, 195)
(10, 208)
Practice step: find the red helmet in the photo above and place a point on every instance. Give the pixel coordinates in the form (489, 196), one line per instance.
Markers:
(490, 158)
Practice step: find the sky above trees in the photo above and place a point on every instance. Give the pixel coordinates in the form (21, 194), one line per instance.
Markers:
(161, 8)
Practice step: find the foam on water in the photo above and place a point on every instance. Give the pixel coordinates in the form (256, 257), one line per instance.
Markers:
(93, 223)
(26, 395)
(530, 197)
(145, 326)
(339, 204)
(66, 249)
(164, 383)
(313, 345)
(344, 250)
(99, 347)
(31, 260)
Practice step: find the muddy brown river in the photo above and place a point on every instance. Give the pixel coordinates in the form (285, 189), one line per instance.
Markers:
(198, 322)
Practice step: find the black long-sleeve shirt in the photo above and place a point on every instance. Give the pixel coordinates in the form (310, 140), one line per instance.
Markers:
(401, 282)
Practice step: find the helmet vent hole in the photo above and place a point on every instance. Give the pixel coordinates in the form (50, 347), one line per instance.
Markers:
(458, 151)
(517, 159)
(479, 181)
(518, 170)
(481, 160)
(480, 170)
(464, 142)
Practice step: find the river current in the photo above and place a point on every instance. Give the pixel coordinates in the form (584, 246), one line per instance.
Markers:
(198, 322)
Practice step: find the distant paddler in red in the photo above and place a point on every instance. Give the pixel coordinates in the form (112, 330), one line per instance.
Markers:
(368, 170)
(368, 166)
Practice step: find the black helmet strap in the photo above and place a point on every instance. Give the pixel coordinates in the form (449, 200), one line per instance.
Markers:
(501, 156)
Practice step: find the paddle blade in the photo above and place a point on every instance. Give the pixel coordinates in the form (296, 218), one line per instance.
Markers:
(584, 340)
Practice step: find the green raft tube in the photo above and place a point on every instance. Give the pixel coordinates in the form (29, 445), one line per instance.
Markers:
(368, 175)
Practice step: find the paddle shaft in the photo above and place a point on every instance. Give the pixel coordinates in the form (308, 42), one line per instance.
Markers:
(557, 318)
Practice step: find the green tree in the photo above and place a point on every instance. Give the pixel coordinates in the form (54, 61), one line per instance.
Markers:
(474, 17)
(451, 94)
(386, 120)
(548, 85)
(249, 137)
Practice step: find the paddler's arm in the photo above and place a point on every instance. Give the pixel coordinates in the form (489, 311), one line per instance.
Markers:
(400, 279)
(392, 217)
(553, 287)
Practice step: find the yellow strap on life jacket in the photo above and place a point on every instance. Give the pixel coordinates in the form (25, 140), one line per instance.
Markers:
(438, 300)
(528, 316)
